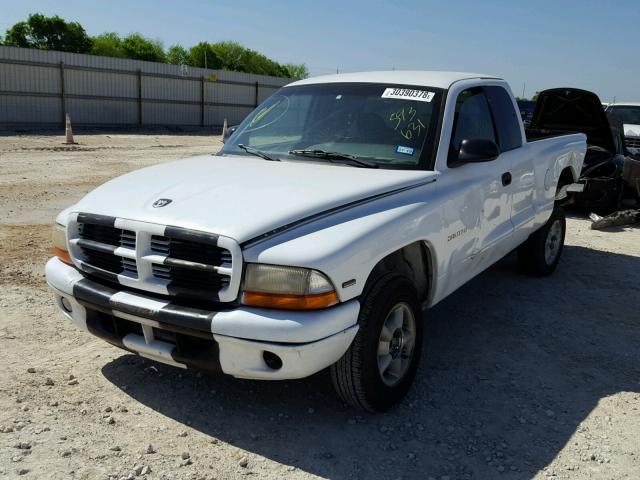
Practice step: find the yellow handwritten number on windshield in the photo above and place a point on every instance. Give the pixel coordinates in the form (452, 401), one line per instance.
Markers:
(412, 127)
(397, 117)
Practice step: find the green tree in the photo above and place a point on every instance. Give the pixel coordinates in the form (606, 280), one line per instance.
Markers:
(177, 55)
(238, 58)
(141, 48)
(55, 33)
(535, 96)
(108, 44)
(204, 56)
(49, 33)
(254, 62)
(296, 71)
(231, 55)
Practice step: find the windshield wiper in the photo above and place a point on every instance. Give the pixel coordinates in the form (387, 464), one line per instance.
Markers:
(335, 157)
(257, 153)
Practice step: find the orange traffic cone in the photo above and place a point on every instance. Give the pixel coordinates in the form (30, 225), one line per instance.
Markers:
(224, 130)
(68, 132)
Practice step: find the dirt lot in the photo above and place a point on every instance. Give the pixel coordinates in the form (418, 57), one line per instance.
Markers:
(521, 378)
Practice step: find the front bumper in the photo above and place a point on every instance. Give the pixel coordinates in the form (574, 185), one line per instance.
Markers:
(233, 342)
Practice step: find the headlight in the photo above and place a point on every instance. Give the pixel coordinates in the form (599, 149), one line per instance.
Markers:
(289, 288)
(60, 243)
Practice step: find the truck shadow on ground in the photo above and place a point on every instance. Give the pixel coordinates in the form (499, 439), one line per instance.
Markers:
(511, 368)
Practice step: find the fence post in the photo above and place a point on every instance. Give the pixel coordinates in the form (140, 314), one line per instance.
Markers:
(139, 97)
(256, 94)
(62, 95)
(202, 101)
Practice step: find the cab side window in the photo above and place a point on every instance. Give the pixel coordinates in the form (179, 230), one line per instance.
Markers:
(506, 118)
(472, 120)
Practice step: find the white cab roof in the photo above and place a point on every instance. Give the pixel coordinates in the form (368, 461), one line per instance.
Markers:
(418, 77)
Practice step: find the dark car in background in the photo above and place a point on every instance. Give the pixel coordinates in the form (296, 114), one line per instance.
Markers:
(610, 172)
(629, 115)
(526, 108)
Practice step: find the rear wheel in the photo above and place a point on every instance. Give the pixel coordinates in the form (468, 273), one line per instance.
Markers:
(540, 254)
(380, 365)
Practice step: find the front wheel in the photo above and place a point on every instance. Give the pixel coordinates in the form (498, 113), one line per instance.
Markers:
(540, 254)
(380, 365)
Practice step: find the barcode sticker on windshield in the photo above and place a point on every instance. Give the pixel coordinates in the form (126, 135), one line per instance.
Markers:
(408, 94)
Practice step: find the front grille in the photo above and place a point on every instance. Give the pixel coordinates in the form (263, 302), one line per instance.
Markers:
(129, 265)
(105, 261)
(98, 244)
(191, 266)
(633, 142)
(162, 260)
(161, 271)
(101, 233)
(128, 239)
(160, 244)
(189, 250)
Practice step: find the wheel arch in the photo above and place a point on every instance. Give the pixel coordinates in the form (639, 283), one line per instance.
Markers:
(567, 176)
(416, 261)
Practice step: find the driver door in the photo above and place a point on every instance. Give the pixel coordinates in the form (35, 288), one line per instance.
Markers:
(484, 198)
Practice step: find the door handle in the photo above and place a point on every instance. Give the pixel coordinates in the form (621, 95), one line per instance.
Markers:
(506, 179)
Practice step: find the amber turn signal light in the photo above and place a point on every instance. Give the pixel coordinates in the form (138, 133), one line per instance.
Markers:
(63, 255)
(60, 243)
(290, 302)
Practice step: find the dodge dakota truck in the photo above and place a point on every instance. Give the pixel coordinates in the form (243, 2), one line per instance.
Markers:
(339, 210)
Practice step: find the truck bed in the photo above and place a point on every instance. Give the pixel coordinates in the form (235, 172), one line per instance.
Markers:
(534, 134)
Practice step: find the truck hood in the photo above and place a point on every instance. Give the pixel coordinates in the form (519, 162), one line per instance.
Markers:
(240, 197)
(574, 110)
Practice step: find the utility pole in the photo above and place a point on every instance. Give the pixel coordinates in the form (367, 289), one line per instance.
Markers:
(205, 58)
(524, 87)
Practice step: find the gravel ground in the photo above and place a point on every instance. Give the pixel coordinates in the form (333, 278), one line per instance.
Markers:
(521, 378)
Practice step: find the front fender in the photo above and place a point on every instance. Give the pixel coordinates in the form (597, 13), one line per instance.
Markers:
(347, 246)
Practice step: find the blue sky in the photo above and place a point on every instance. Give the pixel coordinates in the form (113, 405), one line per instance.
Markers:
(583, 43)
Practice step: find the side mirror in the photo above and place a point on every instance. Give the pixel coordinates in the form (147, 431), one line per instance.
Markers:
(477, 150)
(228, 132)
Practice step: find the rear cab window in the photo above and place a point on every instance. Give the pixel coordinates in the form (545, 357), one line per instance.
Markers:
(505, 118)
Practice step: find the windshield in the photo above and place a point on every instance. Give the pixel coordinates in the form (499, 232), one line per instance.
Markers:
(629, 114)
(389, 125)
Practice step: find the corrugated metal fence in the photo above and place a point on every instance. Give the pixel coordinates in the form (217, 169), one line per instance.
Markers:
(38, 87)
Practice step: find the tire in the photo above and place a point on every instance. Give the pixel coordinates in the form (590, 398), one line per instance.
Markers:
(357, 377)
(540, 254)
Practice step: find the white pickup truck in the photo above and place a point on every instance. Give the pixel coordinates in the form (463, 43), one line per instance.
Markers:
(338, 210)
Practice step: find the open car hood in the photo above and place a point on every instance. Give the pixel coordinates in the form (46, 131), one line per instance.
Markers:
(574, 110)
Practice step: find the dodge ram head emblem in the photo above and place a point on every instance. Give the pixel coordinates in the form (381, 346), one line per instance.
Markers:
(161, 202)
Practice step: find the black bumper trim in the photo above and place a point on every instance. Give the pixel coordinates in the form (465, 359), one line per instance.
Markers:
(174, 317)
(192, 318)
(192, 351)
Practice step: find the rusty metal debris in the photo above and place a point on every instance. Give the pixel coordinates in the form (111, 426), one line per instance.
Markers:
(616, 219)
